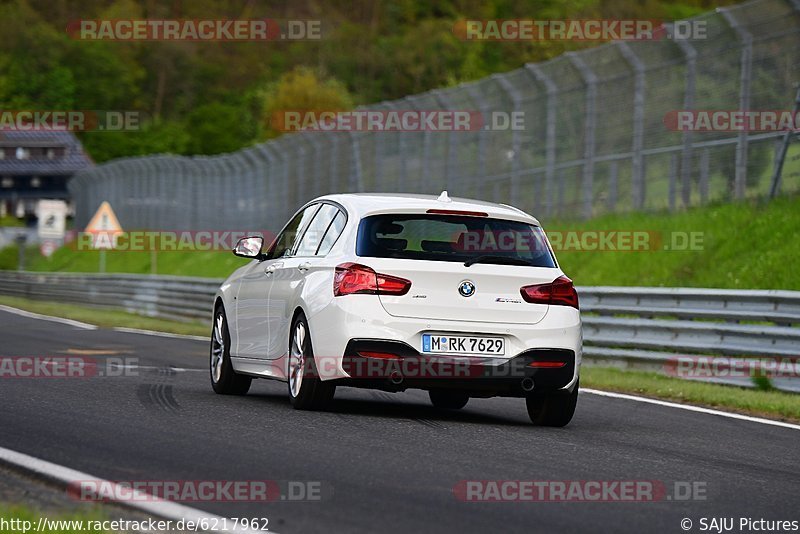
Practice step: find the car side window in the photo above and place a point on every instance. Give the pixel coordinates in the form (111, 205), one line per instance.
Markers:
(332, 234)
(290, 235)
(315, 231)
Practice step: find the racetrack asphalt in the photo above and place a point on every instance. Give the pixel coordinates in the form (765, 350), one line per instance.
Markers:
(385, 462)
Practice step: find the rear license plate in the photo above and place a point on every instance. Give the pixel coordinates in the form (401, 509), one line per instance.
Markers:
(437, 344)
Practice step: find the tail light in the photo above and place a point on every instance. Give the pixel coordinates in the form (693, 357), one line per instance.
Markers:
(559, 292)
(547, 364)
(352, 278)
(379, 355)
(459, 212)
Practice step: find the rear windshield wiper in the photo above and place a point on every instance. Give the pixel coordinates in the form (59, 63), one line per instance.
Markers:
(493, 258)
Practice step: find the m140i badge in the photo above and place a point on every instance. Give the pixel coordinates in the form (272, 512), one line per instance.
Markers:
(466, 288)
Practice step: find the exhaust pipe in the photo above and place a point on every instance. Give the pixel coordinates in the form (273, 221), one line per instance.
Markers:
(527, 384)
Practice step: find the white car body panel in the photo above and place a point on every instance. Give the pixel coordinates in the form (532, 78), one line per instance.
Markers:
(260, 306)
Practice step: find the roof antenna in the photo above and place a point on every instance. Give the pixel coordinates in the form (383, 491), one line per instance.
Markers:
(443, 197)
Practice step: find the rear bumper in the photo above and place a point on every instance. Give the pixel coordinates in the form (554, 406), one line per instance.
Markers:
(362, 318)
(533, 371)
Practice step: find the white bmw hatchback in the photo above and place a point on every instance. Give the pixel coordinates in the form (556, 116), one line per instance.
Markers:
(458, 297)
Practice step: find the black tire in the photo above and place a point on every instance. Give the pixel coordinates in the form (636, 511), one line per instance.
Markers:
(306, 390)
(224, 379)
(555, 409)
(448, 400)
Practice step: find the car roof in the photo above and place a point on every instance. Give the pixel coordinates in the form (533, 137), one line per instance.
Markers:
(364, 204)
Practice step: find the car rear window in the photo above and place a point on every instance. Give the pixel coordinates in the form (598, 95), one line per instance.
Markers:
(452, 238)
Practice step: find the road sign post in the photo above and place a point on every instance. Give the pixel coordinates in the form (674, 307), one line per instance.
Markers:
(104, 227)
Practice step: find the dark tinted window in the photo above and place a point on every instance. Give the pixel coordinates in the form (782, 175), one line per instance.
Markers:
(452, 238)
(316, 230)
(290, 235)
(332, 234)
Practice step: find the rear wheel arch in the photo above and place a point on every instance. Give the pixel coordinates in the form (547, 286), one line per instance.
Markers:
(224, 379)
(298, 311)
(312, 393)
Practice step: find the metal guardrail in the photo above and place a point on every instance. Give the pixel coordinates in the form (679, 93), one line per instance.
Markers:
(625, 327)
(649, 328)
(172, 297)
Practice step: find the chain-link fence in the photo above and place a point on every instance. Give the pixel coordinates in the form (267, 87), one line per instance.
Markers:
(595, 139)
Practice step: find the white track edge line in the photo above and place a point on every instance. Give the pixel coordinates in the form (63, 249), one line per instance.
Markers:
(691, 408)
(32, 315)
(65, 475)
(157, 333)
(87, 326)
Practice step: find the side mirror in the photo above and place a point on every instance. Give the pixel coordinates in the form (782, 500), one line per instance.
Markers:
(249, 247)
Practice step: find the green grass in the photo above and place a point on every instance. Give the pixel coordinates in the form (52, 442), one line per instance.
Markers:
(10, 220)
(772, 404)
(752, 244)
(746, 245)
(213, 264)
(108, 318)
(25, 513)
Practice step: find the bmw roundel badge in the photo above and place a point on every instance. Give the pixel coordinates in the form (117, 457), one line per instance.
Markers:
(466, 288)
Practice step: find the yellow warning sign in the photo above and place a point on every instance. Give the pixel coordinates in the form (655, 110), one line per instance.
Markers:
(104, 227)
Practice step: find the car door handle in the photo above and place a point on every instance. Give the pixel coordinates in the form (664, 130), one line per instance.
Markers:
(271, 267)
(304, 266)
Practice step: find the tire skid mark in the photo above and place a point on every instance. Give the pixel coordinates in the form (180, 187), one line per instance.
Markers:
(159, 395)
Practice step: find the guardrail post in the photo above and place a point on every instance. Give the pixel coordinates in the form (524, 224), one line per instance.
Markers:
(704, 175)
(334, 166)
(551, 89)
(286, 184)
(783, 147)
(746, 62)
(300, 175)
(480, 103)
(516, 146)
(221, 189)
(400, 176)
(281, 203)
(637, 167)
(690, 55)
(318, 163)
(590, 80)
(613, 175)
(244, 161)
(356, 182)
(270, 185)
(673, 180)
(451, 144)
(425, 177)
